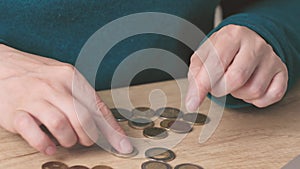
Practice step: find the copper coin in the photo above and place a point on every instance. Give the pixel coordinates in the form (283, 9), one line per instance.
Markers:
(160, 154)
(78, 167)
(140, 123)
(188, 166)
(169, 113)
(166, 123)
(102, 167)
(132, 154)
(144, 112)
(54, 165)
(180, 127)
(196, 118)
(155, 165)
(121, 114)
(155, 133)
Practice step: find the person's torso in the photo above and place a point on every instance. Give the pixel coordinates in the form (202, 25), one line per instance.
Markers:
(58, 29)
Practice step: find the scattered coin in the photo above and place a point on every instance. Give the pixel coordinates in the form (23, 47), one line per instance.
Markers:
(102, 167)
(132, 154)
(196, 118)
(79, 167)
(121, 114)
(169, 113)
(160, 154)
(187, 166)
(155, 133)
(166, 123)
(180, 126)
(140, 123)
(144, 112)
(155, 165)
(54, 165)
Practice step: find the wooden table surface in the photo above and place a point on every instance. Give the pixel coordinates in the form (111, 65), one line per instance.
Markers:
(245, 138)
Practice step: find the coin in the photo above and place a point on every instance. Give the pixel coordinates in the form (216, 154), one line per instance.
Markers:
(166, 123)
(132, 154)
(79, 167)
(160, 154)
(187, 166)
(155, 165)
(144, 112)
(169, 113)
(121, 114)
(102, 167)
(140, 123)
(54, 165)
(196, 118)
(155, 133)
(180, 127)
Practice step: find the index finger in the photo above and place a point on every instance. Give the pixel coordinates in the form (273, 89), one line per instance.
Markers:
(101, 114)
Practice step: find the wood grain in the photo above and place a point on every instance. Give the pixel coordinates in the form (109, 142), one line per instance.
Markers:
(245, 138)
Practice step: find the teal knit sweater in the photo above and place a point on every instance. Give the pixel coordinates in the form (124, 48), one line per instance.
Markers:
(58, 29)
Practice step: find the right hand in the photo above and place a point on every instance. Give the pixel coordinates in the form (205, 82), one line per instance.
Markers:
(35, 90)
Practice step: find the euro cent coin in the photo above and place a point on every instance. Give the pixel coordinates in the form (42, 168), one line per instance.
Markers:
(180, 127)
(129, 155)
(196, 118)
(160, 154)
(101, 167)
(166, 123)
(121, 114)
(140, 123)
(155, 133)
(169, 113)
(155, 165)
(144, 112)
(54, 165)
(79, 167)
(188, 166)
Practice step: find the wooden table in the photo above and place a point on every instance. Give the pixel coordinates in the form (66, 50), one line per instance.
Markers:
(245, 138)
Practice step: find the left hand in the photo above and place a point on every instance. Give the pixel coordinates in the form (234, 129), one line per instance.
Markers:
(237, 61)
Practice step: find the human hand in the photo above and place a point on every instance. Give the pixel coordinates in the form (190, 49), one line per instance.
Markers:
(35, 90)
(236, 61)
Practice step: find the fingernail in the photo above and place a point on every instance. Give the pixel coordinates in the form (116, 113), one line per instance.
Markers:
(50, 150)
(126, 146)
(192, 104)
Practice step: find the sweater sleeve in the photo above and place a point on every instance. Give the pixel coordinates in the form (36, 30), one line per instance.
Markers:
(277, 22)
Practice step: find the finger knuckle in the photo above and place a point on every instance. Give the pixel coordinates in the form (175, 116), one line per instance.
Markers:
(237, 77)
(278, 93)
(256, 91)
(21, 121)
(67, 70)
(70, 143)
(57, 123)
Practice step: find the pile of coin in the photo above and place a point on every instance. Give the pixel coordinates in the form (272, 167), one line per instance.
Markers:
(60, 165)
(141, 118)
